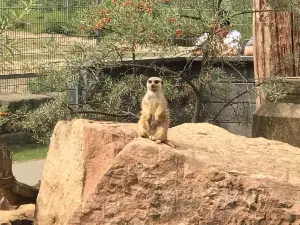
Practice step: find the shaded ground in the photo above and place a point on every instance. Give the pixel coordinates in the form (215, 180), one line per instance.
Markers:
(30, 172)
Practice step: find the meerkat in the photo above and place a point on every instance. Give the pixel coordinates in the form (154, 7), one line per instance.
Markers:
(154, 120)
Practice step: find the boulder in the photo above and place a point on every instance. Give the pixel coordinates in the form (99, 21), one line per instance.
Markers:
(21, 216)
(79, 154)
(101, 173)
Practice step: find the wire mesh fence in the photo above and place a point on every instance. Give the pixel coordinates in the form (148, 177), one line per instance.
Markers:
(45, 35)
(42, 36)
(21, 83)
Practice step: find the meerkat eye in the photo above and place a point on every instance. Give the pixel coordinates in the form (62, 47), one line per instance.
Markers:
(149, 81)
(156, 81)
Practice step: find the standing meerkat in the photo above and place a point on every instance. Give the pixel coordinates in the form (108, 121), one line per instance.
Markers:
(154, 121)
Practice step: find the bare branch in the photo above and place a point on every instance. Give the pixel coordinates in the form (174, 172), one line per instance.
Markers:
(227, 104)
(237, 96)
(237, 71)
(255, 11)
(219, 4)
(125, 114)
(236, 14)
(191, 17)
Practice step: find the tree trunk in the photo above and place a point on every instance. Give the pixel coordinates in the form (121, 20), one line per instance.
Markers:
(15, 192)
(197, 111)
(276, 39)
(198, 104)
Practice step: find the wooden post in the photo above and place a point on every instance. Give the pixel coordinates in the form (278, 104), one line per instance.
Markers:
(276, 39)
(15, 192)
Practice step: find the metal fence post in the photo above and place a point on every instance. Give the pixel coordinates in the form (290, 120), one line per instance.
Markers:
(98, 32)
(68, 4)
(85, 83)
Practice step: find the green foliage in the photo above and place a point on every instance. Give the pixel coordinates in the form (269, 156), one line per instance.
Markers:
(55, 28)
(50, 79)
(127, 26)
(58, 23)
(276, 88)
(134, 22)
(3, 119)
(284, 5)
(48, 4)
(29, 152)
(9, 19)
(40, 122)
(9, 3)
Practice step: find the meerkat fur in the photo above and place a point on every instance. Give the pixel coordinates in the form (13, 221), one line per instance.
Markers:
(154, 120)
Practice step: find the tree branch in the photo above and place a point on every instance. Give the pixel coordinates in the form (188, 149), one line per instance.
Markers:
(125, 114)
(231, 100)
(151, 66)
(255, 11)
(219, 4)
(227, 104)
(236, 70)
(236, 14)
(191, 17)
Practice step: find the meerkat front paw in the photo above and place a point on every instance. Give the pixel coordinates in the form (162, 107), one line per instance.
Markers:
(152, 138)
(156, 118)
(158, 141)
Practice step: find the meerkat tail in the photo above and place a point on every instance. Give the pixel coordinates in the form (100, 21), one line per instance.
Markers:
(167, 142)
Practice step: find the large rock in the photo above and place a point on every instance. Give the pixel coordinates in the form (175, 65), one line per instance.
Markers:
(79, 155)
(21, 216)
(98, 173)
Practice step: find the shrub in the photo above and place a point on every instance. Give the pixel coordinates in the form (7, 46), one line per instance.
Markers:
(57, 28)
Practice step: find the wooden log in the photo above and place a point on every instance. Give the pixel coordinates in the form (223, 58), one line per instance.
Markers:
(276, 39)
(15, 192)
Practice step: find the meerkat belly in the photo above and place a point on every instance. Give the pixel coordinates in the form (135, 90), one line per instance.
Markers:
(153, 106)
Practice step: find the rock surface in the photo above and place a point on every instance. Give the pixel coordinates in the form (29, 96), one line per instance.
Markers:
(99, 173)
(24, 213)
(79, 155)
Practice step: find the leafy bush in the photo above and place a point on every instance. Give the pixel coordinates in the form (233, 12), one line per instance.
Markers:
(40, 122)
(57, 28)
(49, 80)
(56, 22)
(131, 25)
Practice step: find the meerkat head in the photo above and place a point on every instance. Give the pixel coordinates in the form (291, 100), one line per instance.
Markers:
(154, 83)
